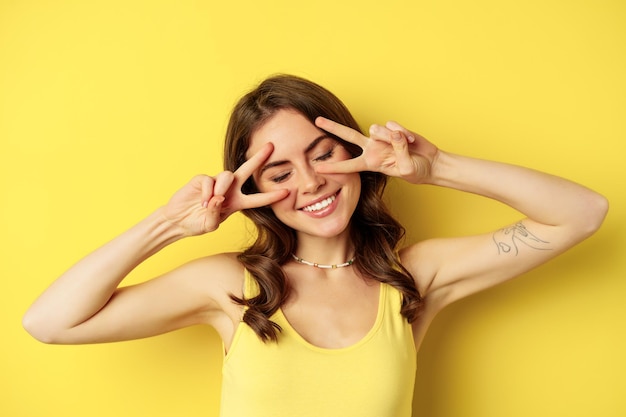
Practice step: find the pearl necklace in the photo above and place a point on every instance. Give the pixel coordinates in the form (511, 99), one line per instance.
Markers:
(322, 266)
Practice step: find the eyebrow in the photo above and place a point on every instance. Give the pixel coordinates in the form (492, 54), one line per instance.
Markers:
(308, 149)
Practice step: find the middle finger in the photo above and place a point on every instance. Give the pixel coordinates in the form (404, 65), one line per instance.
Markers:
(248, 168)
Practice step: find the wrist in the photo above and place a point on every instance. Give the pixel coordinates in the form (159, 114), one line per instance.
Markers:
(162, 229)
(443, 169)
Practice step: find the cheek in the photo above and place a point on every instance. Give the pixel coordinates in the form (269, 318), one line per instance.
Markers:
(352, 179)
(354, 182)
(266, 186)
(286, 203)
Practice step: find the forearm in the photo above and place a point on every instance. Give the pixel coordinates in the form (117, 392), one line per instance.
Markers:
(87, 286)
(544, 198)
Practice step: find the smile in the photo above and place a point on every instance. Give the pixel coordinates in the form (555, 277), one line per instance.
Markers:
(320, 205)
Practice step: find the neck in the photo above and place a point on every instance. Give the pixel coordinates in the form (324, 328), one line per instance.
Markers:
(334, 251)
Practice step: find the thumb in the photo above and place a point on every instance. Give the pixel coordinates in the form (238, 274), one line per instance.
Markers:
(397, 126)
(404, 162)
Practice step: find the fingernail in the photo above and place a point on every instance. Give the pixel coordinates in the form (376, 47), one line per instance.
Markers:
(395, 135)
(205, 204)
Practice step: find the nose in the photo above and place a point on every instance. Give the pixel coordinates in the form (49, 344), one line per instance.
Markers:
(312, 181)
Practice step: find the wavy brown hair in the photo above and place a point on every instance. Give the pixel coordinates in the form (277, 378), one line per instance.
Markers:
(375, 251)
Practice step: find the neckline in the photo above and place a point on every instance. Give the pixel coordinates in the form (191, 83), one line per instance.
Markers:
(288, 328)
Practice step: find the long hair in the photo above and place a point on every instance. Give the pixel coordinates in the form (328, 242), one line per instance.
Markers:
(375, 251)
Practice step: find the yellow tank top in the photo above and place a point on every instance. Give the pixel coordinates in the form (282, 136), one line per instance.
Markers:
(292, 378)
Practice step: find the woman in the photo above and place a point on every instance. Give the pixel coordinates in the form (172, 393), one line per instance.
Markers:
(323, 314)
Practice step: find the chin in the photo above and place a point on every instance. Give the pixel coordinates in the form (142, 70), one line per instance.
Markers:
(328, 232)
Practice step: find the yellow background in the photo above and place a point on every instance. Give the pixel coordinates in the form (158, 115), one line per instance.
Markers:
(107, 107)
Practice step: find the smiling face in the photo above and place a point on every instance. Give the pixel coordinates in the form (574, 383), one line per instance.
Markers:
(318, 204)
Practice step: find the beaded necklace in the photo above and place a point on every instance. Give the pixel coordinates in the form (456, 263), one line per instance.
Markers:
(322, 266)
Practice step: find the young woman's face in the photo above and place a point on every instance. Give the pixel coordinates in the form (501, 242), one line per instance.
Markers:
(317, 204)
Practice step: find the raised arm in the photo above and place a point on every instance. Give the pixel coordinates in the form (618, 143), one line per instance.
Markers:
(558, 213)
(85, 305)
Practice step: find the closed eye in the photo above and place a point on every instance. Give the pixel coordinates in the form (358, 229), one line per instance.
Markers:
(281, 177)
(327, 155)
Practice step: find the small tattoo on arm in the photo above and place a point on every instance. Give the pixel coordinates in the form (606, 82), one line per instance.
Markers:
(509, 239)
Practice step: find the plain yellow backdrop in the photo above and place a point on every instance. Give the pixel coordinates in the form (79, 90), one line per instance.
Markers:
(107, 107)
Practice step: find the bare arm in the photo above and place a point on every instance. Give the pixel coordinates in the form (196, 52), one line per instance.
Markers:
(85, 305)
(88, 286)
(559, 214)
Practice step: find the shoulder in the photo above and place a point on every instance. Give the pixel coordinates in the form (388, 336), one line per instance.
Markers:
(222, 271)
(214, 277)
(199, 292)
(225, 263)
(423, 261)
(217, 277)
(429, 262)
(418, 260)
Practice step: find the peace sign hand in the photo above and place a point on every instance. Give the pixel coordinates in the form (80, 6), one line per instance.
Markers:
(391, 149)
(205, 202)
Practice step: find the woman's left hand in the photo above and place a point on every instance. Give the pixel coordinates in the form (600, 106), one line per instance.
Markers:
(391, 149)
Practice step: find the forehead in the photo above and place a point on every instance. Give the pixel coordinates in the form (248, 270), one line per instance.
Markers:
(287, 130)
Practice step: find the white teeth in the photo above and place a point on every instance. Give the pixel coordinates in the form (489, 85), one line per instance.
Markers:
(319, 206)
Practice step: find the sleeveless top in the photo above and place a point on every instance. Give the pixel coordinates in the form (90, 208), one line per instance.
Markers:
(374, 377)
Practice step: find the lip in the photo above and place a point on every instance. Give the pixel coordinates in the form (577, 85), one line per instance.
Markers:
(326, 210)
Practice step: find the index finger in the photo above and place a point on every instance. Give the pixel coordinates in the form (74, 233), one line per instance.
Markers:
(246, 169)
(344, 132)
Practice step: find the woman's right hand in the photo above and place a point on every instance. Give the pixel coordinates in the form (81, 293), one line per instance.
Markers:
(205, 202)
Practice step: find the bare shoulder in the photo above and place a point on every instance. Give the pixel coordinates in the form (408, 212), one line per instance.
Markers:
(418, 260)
(221, 275)
(427, 262)
(215, 279)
